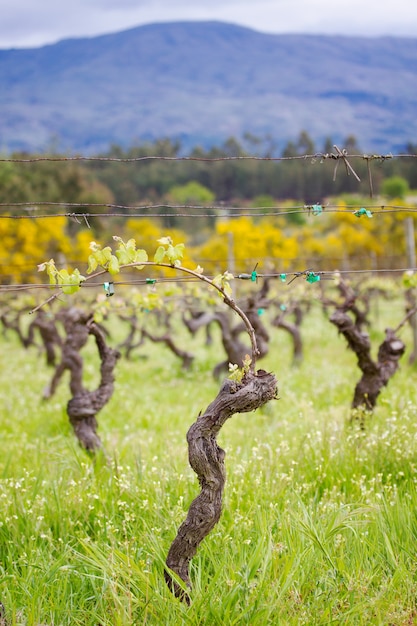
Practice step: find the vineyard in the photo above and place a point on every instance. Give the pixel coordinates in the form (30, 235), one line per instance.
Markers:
(193, 446)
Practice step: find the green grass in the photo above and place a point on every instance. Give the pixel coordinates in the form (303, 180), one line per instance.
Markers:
(319, 523)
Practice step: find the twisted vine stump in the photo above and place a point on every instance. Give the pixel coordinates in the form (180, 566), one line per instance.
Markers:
(84, 405)
(11, 321)
(236, 350)
(76, 336)
(207, 460)
(375, 374)
(350, 317)
(186, 357)
(131, 343)
(51, 339)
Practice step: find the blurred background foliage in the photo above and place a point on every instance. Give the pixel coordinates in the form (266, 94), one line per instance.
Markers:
(240, 212)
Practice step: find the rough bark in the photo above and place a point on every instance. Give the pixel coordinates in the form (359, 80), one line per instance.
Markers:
(375, 374)
(11, 321)
(129, 344)
(186, 357)
(77, 332)
(84, 405)
(51, 339)
(207, 460)
(352, 301)
(235, 349)
(201, 318)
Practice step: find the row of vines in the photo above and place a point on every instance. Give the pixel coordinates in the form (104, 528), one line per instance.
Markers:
(152, 295)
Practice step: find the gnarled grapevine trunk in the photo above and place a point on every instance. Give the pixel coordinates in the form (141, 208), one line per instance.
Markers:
(207, 460)
(84, 405)
(186, 357)
(375, 374)
(76, 330)
(51, 339)
(236, 350)
(131, 343)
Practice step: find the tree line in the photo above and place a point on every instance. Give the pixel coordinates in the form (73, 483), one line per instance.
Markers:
(110, 185)
(307, 181)
(153, 180)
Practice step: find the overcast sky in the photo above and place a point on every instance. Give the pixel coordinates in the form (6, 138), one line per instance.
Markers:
(33, 23)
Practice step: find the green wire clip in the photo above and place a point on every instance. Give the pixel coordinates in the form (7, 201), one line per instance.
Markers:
(317, 209)
(283, 277)
(312, 277)
(361, 212)
(109, 289)
(253, 276)
(150, 281)
(283, 307)
(261, 311)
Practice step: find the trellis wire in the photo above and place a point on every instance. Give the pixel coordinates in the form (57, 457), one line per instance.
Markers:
(221, 211)
(339, 155)
(325, 274)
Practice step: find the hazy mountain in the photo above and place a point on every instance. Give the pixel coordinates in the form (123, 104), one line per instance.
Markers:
(203, 82)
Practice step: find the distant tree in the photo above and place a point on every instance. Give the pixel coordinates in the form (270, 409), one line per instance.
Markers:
(305, 145)
(328, 145)
(289, 150)
(264, 201)
(395, 187)
(351, 145)
(192, 192)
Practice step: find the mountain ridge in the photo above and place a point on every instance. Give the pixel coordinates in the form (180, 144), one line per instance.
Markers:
(202, 82)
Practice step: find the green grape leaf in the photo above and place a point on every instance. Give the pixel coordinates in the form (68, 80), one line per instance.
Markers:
(126, 251)
(51, 270)
(70, 283)
(176, 253)
(123, 256)
(235, 373)
(140, 257)
(92, 264)
(113, 266)
(227, 288)
(159, 254)
(96, 257)
(222, 281)
(105, 256)
(217, 280)
(409, 279)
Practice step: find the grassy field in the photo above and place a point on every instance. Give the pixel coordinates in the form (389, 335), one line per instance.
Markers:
(319, 523)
